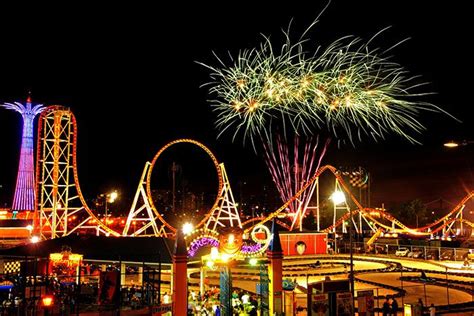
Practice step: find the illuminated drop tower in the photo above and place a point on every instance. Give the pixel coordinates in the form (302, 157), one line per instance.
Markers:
(24, 199)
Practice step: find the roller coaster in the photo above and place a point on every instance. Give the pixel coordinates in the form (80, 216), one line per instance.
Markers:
(60, 197)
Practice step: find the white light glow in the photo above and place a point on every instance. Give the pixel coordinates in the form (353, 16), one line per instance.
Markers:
(188, 228)
(338, 197)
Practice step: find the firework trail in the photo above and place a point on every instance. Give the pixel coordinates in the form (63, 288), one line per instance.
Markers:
(289, 177)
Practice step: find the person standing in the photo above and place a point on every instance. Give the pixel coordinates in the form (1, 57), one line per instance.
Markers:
(432, 310)
(386, 308)
(420, 306)
(166, 298)
(254, 303)
(394, 307)
(245, 298)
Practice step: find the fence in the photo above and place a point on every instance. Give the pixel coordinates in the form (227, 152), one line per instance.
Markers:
(413, 251)
(445, 299)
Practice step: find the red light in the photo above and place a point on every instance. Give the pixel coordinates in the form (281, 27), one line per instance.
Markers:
(47, 300)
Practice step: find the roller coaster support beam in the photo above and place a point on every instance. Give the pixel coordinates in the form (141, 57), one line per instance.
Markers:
(148, 220)
(226, 214)
(59, 192)
(342, 206)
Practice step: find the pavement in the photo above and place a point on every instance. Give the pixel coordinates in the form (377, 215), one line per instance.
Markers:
(435, 294)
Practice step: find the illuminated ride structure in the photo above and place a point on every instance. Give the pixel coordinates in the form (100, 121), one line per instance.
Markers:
(223, 213)
(59, 192)
(60, 198)
(378, 221)
(24, 198)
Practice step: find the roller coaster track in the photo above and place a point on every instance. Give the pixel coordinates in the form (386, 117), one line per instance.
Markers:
(316, 175)
(457, 208)
(261, 218)
(216, 166)
(54, 217)
(445, 221)
(370, 213)
(52, 155)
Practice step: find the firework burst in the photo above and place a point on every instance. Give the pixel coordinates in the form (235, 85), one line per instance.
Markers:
(346, 89)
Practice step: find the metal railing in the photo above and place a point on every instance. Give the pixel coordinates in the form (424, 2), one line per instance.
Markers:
(413, 251)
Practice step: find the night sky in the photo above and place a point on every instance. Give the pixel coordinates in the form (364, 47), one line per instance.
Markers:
(129, 74)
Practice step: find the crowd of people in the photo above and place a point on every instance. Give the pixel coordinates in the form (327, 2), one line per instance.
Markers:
(206, 304)
(242, 303)
(390, 307)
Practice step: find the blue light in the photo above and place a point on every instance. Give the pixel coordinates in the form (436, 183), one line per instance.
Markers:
(24, 199)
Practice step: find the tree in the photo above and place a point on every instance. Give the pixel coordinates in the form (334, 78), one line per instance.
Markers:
(412, 213)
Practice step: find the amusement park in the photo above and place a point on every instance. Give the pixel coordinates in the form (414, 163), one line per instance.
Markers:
(199, 228)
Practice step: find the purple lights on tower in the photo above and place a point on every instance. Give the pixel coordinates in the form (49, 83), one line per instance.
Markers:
(24, 199)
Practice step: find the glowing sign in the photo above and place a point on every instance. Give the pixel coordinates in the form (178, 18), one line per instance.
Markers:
(201, 242)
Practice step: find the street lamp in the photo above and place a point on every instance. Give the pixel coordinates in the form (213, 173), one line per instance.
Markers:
(187, 228)
(29, 228)
(338, 197)
(454, 144)
(109, 198)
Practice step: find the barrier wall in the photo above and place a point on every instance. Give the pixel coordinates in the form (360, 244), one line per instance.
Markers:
(303, 243)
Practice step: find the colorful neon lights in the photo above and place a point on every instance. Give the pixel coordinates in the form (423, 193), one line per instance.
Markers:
(251, 249)
(201, 242)
(24, 198)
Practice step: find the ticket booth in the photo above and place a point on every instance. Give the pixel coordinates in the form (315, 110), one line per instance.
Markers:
(330, 297)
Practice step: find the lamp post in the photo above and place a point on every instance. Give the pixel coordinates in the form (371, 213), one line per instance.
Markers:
(188, 228)
(109, 198)
(338, 197)
(453, 144)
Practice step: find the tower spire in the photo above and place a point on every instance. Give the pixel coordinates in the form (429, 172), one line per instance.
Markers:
(24, 198)
(28, 98)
